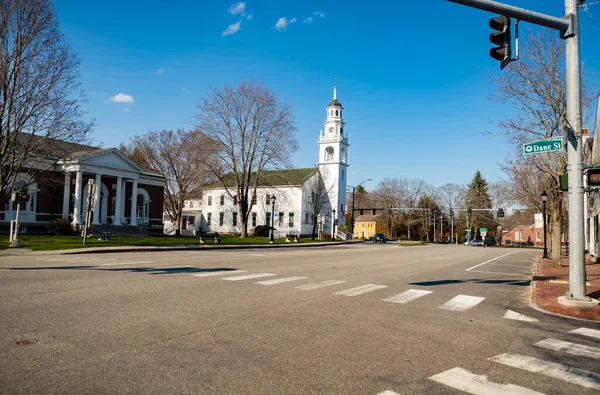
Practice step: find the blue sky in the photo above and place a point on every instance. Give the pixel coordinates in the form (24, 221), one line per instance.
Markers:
(413, 77)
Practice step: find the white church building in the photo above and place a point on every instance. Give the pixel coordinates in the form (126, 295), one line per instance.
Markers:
(217, 211)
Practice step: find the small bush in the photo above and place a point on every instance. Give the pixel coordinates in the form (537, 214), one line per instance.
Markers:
(261, 231)
(325, 235)
(59, 226)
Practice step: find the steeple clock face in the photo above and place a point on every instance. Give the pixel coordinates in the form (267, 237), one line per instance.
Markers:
(331, 130)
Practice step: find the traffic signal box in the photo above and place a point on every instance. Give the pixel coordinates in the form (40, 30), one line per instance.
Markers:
(500, 213)
(469, 212)
(501, 38)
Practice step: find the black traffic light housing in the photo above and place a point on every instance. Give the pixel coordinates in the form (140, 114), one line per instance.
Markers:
(469, 212)
(431, 212)
(502, 39)
(500, 212)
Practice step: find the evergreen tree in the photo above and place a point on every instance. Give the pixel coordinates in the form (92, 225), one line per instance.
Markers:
(478, 197)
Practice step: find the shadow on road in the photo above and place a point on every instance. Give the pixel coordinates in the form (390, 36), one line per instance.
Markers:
(150, 270)
(473, 280)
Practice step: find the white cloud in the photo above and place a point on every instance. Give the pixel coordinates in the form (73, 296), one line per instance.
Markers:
(231, 29)
(293, 20)
(250, 16)
(281, 24)
(121, 98)
(160, 71)
(238, 8)
(308, 20)
(319, 14)
(186, 91)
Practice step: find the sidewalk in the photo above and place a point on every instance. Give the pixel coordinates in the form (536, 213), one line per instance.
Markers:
(551, 282)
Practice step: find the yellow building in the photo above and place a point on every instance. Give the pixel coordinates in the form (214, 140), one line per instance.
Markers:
(366, 226)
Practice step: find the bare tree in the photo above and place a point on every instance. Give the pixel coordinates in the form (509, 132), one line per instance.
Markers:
(39, 92)
(452, 197)
(390, 193)
(180, 156)
(535, 86)
(317, 198)
(253, 133)
(415, 188)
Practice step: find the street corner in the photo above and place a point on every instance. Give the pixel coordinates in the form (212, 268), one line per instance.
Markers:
(552, 282)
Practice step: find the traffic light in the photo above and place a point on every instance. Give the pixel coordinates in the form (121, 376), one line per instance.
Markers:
(469, 212)
(431, 212)
(500, 212)
(502, 39)
(24, 197)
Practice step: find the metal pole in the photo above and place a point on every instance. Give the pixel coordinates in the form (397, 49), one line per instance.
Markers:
(352, 220)
(577, 273)
(272, 237)
(452, 236)
(433, 229)
(15, 240)
(545, 245)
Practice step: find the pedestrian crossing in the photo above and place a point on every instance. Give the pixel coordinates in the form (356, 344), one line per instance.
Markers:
(472, 383)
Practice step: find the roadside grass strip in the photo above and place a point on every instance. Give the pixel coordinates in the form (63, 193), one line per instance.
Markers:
(595, 333)
(407, 296)
(461, 303)
(280, 280)
(249, 276)
(328, 283)
(464, 380)
(361, 290)
(581, 377)
(218, 273)
(570, 348)
(513, 315)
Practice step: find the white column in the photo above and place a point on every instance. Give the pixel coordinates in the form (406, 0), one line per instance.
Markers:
(117, 213)
(66, 195)
(123, 192)
(96, 219)
(134, 187)
(78, 189)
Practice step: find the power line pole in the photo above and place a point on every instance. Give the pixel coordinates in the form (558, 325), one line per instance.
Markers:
(569, 29)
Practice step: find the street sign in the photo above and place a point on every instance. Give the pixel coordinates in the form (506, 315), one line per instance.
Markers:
(468, 236)
(483, 234)
(545, 145)
(468, 230)
(483, 230)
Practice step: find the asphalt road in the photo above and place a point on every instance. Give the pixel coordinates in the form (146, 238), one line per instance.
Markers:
(355, 319)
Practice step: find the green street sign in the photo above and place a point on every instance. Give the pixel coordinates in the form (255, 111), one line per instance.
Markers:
(546, 145)
(483, 230)
(468, 230)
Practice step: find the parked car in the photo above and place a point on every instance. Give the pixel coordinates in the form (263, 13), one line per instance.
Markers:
(490, 243)
(379, 238)
(523, 244)
(476, 243)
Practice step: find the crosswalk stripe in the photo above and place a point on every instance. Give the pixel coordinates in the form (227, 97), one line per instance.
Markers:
(388, 392)
(464, 380)
(80, 260)
(595, 333)
(361, 290)
(125, 263)
(461, 303)
(249, 276)
(328, 283)
(280, 280)
(513, 315)
(569, 374)
(407, 296)
(217, 273)
(570, 348)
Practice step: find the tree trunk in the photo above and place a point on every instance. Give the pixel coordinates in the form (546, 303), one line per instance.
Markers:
(555, 239)
(243, 220)
(314, 229)
(177, 225)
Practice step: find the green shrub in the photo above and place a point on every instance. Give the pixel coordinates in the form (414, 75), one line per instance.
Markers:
(60, 226)
(261, 231)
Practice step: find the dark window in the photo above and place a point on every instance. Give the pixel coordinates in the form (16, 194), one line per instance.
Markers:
(210, 200)
(222, 200)
(208, 218)
(268, 219)
(281, 219)
(337, 113)
(268, 199)
(234, 219)
(253, 199)
(221, 218)
(235, 200)
(306, 218)
(253, 219)
(291, 220)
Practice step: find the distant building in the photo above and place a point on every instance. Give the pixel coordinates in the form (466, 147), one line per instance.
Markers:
(217, 211)
(365, 226)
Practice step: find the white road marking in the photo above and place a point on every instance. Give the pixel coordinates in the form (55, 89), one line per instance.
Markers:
(79, 260)
(569, 374)
(249, 276)
(217, 273)
(513, 315)
(125, 263)
(503, 273)
(256, 254)
(280, 280)
(491, 260)
(328, 283)
(407, 296)
(464, 380)
(363, 289)
(570, 348)
(507, 265)
(595, 333)
(388, 392)
(461, 303)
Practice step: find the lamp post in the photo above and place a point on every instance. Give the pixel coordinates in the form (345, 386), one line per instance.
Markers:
(272, 237)
(333, 219)
(352, 220)
(544, 198)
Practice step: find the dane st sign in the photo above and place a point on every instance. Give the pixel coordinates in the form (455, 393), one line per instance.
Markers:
(546, 145)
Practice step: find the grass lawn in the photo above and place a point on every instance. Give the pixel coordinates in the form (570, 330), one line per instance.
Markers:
(47, 242)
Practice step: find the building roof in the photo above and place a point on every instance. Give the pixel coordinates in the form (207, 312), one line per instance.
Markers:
(273, 178)
(335, 103)
(54, 148)
(366, 218)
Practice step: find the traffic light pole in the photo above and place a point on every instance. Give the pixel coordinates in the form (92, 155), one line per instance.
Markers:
(569, 28)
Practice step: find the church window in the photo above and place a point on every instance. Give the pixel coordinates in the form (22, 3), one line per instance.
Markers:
(337, 113)
(281, 219)
(222, 200)
(234, 219)
(291, 220)
(208, 218)
(268, 219)
(210, 200)
(253, 219)
(221, 218)
(268, 199)
(329, 153)
(235, 200)
(342, 130)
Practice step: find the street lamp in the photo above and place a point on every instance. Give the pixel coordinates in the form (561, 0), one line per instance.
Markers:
(333, 219)
(272, 237)
(353, 190)
(544, 198)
